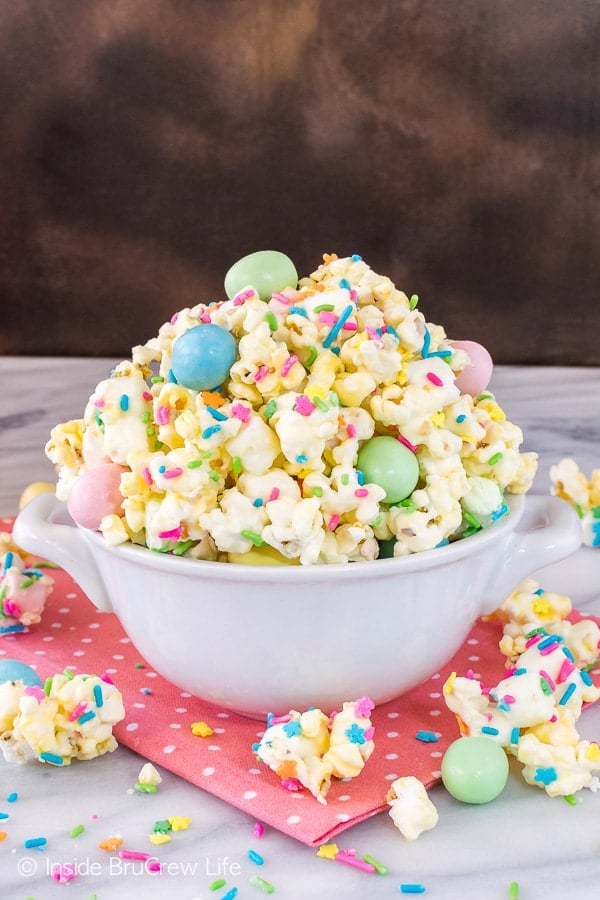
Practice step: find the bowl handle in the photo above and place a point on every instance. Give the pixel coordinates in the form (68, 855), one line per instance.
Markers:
(38, 529)
(549, 530)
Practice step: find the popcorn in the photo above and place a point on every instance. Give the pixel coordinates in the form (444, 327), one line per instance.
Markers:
(72, 719)
(410, 807)
(568, 482)
(322, 367)
(309, 749)
(23, 590)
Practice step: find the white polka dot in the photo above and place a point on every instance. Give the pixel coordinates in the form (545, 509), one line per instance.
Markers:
(87, 640)
(342, 817)
(392, 734)
(435, 695)
(254, 771)
(249, 795)
(132, 726)
(435, 712)
(175, 725)
(118, 656)
(64, 610)
(437, 675)
(139, 705)
(47, 637)
(344, 797)
(185, 694)
(213, 747)
(223, 715)
(391, 756)
(474, 658)
(94, 625)
(71, 596)
(37, 652)
(393, 715)
(436, 773)
(391, 776)
(209, 770)
(151, 675)
(218, 731)
(56, 625)
(78, 653)
(436, 754)
(111, 671)
(125, 640)
(169, 748)
(180, 709)
(293, 820)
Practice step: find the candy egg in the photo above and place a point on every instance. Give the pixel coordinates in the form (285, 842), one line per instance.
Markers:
(474, 769)
(33, 490)
(96, 494)
(475, 377)
(262, 556)
(385, 461)
(267, 271)
(14, 670)
(203, 356)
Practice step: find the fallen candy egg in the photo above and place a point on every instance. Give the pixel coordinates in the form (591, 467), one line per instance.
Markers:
(14, 670)
(96, 494)
(474, 769)
(203, 356)
(267, 271)
(475, 377)
(33, 490)
(262, 556)
(385, 461)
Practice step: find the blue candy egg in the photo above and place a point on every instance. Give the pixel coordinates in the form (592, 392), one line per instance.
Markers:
(14, 670)
(203, 356)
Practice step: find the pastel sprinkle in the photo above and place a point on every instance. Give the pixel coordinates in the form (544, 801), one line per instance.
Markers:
(177, 471)
(287, 365)
(567, 694)
(434, 379)
(513, 891)
(496, 457)
(35, 842)
(217, 884)
(265, 886)
(230, 894)
(98, 697)
(216, 414)
(51, 758)
(252, 536)
(255, 857)
(75, 832)
(338, 326)
(272, 320)
(429, 737)
(411, 889)
(349, 858)
(258, 829)
(379, 867)
(406, 442)
(12, 797)
(124, 402)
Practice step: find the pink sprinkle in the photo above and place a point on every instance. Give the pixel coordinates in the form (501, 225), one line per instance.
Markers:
(281, 297)
(64, 873)
(243, 296)
(147, 395)
(327, 318)
(261, 373)
(369, 733)
(435, 379)
(134, 854)
(99, 403)
(364, 707)
(258, 830)
(508, 698)
(153, 865)
(544, 674)
(470, 673)
(173, 473)
(279, 720)
(351, 430)
(333, 522)
(147, 475)
(361, 492)
(349, 326)
(274, 495)
(174, 533)
(553, 718)
(349, 858)
(292, 784)
(288, 364)
(105, 677)
(549, 648)
(35, 690)
(205, 317)
(533, 640)
(354, 295)
(11, 608)
(303, 405)
(565, 670)
(174, 318)
(406, 442)
(79, 709)
(239, 411)
(163, 415)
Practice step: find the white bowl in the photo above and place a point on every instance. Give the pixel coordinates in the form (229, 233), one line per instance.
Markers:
(259, 639)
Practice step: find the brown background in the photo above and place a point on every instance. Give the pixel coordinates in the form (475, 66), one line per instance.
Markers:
(148, 144)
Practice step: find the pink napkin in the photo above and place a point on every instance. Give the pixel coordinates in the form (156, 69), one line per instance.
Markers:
(159, 717)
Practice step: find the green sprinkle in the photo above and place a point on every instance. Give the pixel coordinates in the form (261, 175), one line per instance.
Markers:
(194, 463)
(495, 458)
(68, 674)
(345, 478)
(270, 409)
(215, 885)
(45, 564)
(145, 788)
(157, 379)
(48, 686)
(595, 511)
(379, 867)
(534, 631)
(181, 547)
(413, 301)
(158, 445)
(312, 355)
(214, 475)
(470, 531)
(513, 890)
(163, 826)
(408, 504)
(145, 417)
(320, 403)
(317, 491)
(473, 522)
(27, 582)
(75, 832)
(377, 521)
(324, 307)
(253, 536)
(570, 799)
(265, 886)
(237, 465)
(545, 686)
(140, 666)
(335, 400)
(150, 431)
(272, 320)
(578, 510)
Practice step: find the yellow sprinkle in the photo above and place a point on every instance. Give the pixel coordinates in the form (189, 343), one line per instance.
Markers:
(3, 835)
(544, 610)
(438, 419)
(157, 838)
(328, 851)
(201, 729)
(111, 843)
(179, 823)
(593, 751)
(449, 685)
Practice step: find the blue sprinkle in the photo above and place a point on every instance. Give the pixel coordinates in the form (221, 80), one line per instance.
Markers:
(8, 561)
(124, 402)
(10, 629)
(539, 592)
(230, 894)
(360, 477)
(487, 729)
(461, 418)
(257, 502)
(429, 737)
(172, 378)
(344, 283)
(520, 671)
(162, 469)
(3, 815)
(210, 431)
(301, 458)
(300, 312)
(338, 326)
(567, 694)
(545, 775)
(585, 677)
(443, 542)
(498, 513)
(35, 842)
(98, 696)
(255, 857)
(356, 258)
(52, 758)
(514, 735)
(90, 714)
(292, 728)
(568, 653)
(391, 330)
(411, 889)
(255, 747)
(551, 639)
(12, 797)
(216, 414)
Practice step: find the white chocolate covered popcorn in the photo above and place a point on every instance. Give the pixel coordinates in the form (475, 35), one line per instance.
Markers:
(411, 809)
(71, 718)
(309, 749)
(24, 590)
(568, 482)
(267, 456)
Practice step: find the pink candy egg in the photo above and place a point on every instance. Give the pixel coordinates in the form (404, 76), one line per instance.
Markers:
(476, 376)
(96, 494)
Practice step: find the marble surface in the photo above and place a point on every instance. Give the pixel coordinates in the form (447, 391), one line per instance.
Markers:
(552, 849)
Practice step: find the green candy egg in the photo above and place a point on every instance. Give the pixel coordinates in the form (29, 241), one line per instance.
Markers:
(385, 461)
(474, 769)
(267, 271)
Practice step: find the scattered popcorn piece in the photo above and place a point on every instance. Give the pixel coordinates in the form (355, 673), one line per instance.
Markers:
(24, 590)
(568, 482)
(308, 749)
(149, 775)
(410, 807)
